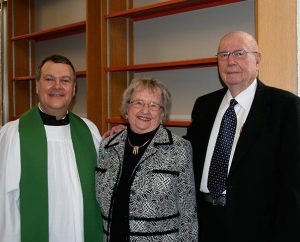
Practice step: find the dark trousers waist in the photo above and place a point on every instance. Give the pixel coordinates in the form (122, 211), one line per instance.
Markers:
(206, 197)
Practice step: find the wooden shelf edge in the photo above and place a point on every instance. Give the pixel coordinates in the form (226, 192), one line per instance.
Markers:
(52, 33)
(30, 78)
(170, 123)
(195, 63)
(23, 78)
(80, 73)
(178, 123)
(15, 117)
(168, 8)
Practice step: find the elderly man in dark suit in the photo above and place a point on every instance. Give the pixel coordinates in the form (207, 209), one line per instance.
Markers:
(247, 175)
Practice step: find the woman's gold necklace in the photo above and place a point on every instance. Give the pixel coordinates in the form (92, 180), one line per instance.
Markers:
(135, 150)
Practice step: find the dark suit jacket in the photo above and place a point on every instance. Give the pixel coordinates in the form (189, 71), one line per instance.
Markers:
(263, 186)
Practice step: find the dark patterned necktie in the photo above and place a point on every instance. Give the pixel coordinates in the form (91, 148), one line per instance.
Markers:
(218, 169)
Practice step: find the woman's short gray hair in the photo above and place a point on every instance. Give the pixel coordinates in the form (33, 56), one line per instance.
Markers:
(148, 84)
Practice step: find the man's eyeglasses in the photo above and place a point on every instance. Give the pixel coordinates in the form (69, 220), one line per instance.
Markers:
(141, 104)
(237, 54)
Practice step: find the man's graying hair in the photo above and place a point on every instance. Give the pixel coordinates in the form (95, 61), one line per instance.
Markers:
(56, 59)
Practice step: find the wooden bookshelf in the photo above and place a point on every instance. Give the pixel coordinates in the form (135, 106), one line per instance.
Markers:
(109, 59)
(120, 65)
(22, 47)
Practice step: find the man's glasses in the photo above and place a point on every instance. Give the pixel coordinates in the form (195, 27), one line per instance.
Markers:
(139, 104)
(237, 54)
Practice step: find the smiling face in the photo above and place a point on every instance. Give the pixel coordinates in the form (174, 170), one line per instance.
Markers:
(238, 73)
(143, 119)
(56, 88)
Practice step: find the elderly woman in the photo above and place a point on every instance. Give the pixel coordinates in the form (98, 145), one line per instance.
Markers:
(144, 176)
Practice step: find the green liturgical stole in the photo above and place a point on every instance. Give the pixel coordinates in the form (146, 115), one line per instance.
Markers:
(34, 178)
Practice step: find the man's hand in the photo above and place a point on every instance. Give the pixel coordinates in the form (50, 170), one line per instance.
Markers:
(114, 130)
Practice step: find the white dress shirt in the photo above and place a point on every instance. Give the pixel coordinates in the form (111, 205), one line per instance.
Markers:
(244, 99)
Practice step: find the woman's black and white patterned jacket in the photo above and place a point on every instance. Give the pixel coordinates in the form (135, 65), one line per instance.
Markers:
(162, 196)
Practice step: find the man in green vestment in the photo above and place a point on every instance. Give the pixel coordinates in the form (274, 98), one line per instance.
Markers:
(47, 163)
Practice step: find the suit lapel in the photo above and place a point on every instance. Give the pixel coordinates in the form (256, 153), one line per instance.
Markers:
(253, 127)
